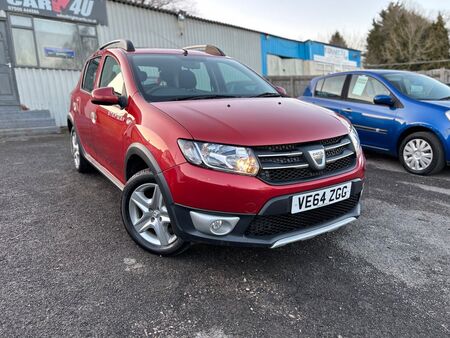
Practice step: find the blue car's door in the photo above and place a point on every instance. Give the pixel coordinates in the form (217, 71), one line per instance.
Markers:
(375, 123)
(328, 93)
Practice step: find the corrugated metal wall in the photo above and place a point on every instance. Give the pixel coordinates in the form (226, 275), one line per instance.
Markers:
(47, 89)
(50, 89)
(157, 29)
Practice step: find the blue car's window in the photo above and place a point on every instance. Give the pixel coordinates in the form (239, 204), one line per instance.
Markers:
(318, 88)
(364, 88)
(331, 88)
(419, 87)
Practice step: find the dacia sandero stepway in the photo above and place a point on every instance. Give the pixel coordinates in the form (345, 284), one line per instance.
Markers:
(205, 150)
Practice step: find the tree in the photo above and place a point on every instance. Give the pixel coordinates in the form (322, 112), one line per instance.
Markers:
(404, 36)
(440, 44)
(338, 40)
(175, 5)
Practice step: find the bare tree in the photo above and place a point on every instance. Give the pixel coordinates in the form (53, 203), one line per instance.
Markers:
(176, 5)
(408, 41)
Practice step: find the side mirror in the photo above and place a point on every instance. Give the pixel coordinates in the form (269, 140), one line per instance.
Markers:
(105, 96)
(384, 100)
(281, 91)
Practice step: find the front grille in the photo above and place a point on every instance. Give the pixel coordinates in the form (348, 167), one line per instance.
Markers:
(286, 163)
(280, 224)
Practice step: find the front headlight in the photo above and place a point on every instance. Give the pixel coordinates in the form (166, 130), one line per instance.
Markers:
(448, 115)
(355, 139)
(238, 160)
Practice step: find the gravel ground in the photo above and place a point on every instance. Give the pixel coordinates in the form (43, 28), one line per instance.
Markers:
(68, 267)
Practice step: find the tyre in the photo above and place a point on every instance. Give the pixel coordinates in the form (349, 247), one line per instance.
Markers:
(81, 164)
(422, 154)
(146, 218)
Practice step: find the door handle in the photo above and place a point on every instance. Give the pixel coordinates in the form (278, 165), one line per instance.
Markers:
(347, 110)
(8, 64)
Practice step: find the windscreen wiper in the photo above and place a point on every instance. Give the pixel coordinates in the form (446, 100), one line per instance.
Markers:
(205, 97)
(445, 98)
(268, 94)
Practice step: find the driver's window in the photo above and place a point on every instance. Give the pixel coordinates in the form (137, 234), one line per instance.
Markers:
(364, 88)
(112, 76)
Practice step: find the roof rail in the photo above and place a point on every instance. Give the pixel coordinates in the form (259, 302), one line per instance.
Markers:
(123, 44)
(209, 49)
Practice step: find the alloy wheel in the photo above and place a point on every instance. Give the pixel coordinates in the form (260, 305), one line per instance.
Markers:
(418, 154)
(149, 215)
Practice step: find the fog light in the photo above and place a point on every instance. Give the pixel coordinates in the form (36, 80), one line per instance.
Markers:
(216, 225)
(213, 224)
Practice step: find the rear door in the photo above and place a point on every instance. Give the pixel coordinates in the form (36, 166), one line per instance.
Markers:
(328, 93)
(375, 123)
(111, 121)
(85, 109)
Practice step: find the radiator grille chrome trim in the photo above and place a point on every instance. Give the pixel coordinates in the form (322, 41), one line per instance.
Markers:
(289, 163)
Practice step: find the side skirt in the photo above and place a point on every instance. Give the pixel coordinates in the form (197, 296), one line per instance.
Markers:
(104, 171)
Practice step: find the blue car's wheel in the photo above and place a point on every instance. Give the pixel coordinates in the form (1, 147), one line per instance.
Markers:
(422, 154)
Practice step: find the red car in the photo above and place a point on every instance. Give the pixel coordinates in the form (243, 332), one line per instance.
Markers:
(205, 150)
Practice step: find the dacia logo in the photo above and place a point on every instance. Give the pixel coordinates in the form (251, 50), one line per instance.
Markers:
(316, 158)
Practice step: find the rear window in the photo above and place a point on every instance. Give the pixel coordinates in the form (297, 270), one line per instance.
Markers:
(330, 87)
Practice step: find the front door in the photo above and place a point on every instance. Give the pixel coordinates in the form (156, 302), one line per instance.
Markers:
(374, 123)
(111, 121)
(8, 90)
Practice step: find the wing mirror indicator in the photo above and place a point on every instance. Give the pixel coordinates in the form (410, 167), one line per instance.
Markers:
(281, 91)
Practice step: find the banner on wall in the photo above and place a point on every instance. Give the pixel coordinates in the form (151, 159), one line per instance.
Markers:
(337, 56)
(89, 11)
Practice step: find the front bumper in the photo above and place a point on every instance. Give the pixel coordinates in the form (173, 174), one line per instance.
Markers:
(273, 226)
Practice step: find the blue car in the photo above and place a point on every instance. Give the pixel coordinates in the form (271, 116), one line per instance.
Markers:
(399, 113)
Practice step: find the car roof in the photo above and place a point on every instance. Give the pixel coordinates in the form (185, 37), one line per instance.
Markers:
(169, 51)
(368, 71)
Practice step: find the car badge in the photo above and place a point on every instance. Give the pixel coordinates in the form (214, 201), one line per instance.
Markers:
(316, 158)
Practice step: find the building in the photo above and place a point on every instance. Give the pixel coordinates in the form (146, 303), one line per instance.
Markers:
(46, 42)
(281, 56)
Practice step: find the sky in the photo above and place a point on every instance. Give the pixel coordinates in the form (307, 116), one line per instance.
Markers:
(312, 19)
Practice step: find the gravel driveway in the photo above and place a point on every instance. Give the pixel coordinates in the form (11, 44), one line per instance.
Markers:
(68, 267)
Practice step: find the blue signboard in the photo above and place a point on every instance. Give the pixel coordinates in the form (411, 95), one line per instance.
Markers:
(55, 52)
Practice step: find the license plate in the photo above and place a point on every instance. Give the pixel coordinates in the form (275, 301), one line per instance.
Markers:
(320, 198)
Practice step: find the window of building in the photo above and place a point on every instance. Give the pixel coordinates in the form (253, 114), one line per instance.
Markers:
(50, 43)
(112, 76)
(365, 88)
(332, 87)
(26, 53)
(90, 75)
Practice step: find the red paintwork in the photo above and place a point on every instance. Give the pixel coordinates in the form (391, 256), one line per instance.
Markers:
(214, 190)
(158, 126)
(253, 122)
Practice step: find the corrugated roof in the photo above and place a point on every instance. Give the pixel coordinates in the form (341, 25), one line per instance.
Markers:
(141, 4)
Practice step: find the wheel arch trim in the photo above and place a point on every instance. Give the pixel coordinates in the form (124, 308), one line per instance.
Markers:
(409, 129)
(144, 153)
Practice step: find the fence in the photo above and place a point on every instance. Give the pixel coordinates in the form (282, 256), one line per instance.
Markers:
(441, 74)
(294, 85)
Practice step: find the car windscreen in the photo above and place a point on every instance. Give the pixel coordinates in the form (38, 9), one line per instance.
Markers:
(419, 87)
(165, 77)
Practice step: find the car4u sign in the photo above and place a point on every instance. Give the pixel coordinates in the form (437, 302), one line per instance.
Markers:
(89, 11)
